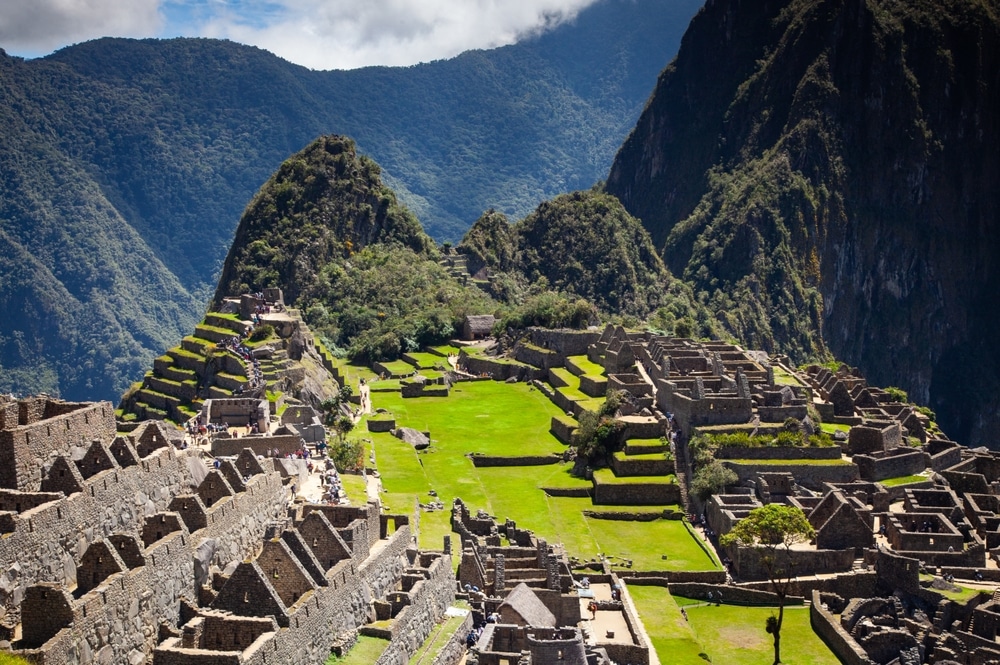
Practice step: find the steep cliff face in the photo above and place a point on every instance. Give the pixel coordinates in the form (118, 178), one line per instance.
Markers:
(824, 173)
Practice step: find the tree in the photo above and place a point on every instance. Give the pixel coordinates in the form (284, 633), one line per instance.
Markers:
(711, 479)
(343, 426)
(773, 529)
(331, 407)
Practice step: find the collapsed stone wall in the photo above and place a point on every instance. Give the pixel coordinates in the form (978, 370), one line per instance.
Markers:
(834, 636)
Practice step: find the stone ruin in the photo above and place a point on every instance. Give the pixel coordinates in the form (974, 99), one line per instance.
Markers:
(141, 554)
(529, 607)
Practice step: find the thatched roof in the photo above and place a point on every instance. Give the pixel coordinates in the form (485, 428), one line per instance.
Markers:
(523, 601)
(480, 324)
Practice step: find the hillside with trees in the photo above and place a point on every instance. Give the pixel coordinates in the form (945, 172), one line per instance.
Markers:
(127, 165)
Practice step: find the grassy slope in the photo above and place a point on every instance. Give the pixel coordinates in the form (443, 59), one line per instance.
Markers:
(501, 419)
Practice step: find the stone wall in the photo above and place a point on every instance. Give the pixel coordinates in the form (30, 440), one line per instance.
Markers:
(805, 474)
(454, 649)
(748, 564)
(731, 594)
(565, 342)
(237, 525)
(480, 460)
(834, 636)
(113, 501)
(47, 429)
(499, 369)
(891, 466)
(117, 621)
(428, 600)
(636, 494)
(563, 429)
(625, 465)
(778, 452)
(286, 444)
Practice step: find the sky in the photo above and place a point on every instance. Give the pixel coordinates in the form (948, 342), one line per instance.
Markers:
(319, 34)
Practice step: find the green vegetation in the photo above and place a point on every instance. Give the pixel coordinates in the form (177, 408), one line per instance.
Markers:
(790, 462)
(114, 235)
(773, 529)
(672, 636)
(732, 634)
(711, 479)
(831, 428)
(963, 595)
(785, 437)
(727, 634)
(903, 480)
(486, 417)
(439, 636)
(366, 651)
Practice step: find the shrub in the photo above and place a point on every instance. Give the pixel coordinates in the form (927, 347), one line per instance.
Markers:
(711, 479)
(348, 455)
(262, 332)
(897, 394)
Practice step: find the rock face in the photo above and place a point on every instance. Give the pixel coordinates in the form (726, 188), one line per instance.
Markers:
(824, 174)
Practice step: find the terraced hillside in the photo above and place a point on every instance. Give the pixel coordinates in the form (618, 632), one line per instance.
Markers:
(208, 364)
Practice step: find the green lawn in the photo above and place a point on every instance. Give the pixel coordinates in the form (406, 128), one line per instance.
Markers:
(608, 477)
(903, 480)
(398, 367)
(445, 350)
(510, 419)
(366, 651)
(584, 365)
(672, 637)
(355, 487)
(439, 636)
(427, 360)
(735, 635)
(831, 428)
(783, 378)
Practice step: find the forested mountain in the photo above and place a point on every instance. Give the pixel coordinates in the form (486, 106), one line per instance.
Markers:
(328, 231)
(823, 173)
(586, 245)
(127, 164)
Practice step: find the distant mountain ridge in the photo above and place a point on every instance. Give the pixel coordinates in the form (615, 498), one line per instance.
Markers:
(127, 163)
(823, 173)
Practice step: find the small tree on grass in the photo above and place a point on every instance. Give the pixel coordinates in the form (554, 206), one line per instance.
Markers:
(348, 455)
(343, 425)
(331, 406)
(773, 529)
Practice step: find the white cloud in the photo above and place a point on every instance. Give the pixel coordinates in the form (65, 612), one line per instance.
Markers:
(345, 34)
(321, 34)
(39, 26)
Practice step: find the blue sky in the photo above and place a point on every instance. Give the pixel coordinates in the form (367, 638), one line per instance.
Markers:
(320, 34)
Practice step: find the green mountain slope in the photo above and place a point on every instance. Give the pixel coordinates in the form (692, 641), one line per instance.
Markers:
(332, 236)
(162, 143)
(823, 174)
(586, 245)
